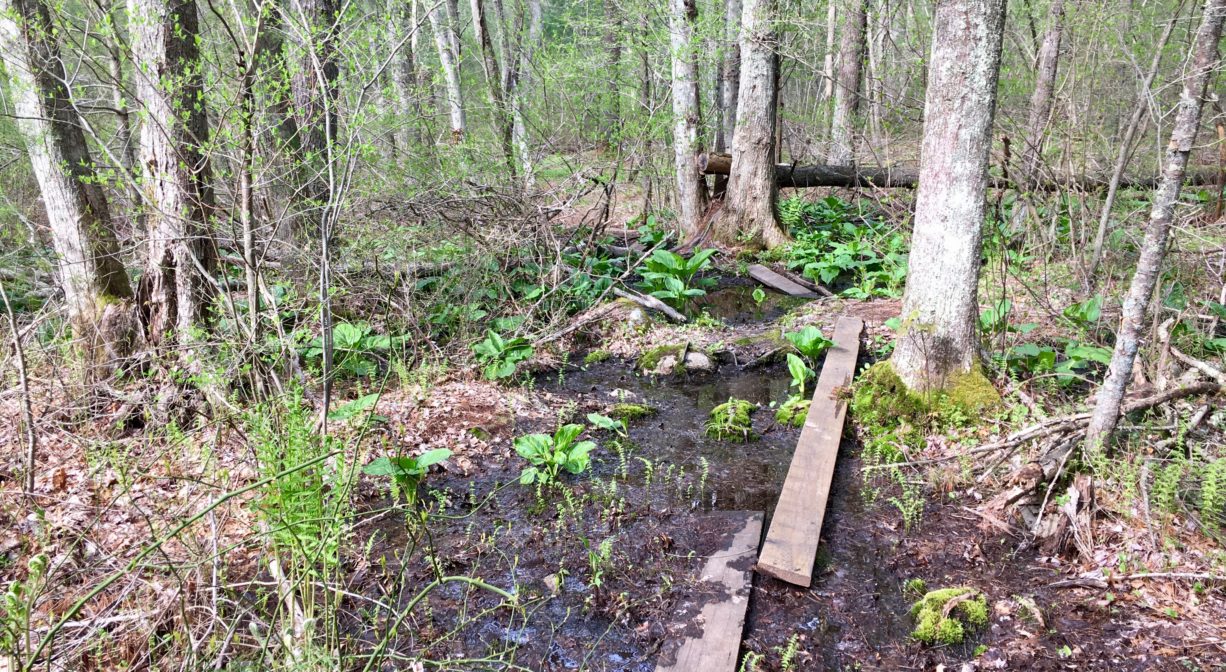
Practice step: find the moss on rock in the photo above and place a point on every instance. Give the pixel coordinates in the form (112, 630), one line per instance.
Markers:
(627, 411)
(730, 420)
(650, 360)
(936, 623)
(597, 356)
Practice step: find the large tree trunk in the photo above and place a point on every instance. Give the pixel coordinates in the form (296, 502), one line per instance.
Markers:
(937, 345)
(687, 117)
(179, 197)
(1204, 60)
(502, 116)
(404, 73)
(314, 89)
(445, 40)
(752, 191)
(847, 88)
(96, 290)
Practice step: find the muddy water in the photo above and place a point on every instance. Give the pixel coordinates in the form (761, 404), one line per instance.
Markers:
(855, 613)
(735, 304)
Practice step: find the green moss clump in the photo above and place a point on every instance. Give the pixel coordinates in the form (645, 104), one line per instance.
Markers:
(627, 411)
(650, 359)
(915, 586)
(793, 411)
(597, 356)
(730, 420)
(971, 391)
(932, 626)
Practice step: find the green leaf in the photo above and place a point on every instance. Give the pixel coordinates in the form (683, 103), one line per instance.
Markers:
(566, 435)
(432, 457)
(533, 447)
(606, 423)
(352, 408)
(346, 336)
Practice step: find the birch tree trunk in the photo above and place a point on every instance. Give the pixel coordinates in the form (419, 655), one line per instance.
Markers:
(687, 116)
(832, 17)
(1203, 62)
(751, 187)
(937, 346)
(404, 73)
(96, 289)
(445, 40)
(521, 79)
(502, 116)
(169, 90)
(847, 88)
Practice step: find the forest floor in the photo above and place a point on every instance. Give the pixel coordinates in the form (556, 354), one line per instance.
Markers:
(605, 565)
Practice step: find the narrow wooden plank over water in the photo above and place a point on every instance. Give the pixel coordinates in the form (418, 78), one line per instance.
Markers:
(715, 649)
(778, 282)
(791, 544)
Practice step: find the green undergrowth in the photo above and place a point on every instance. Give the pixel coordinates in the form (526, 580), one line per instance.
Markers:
(895, 421)
(650, 359)
(730, 421)
(793, 411)
(937, 623)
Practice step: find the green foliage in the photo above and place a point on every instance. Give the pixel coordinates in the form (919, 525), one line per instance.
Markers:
(406, 473)
(867, 257)
(759, 295)
(500, 356)
(626, 411)
(809, 342)
(933, 626)
(596, 357)
(18, 606)
(606, 423)
(356, 348)
(651, 233)
(800, 373)
(672, 278)
(793, 411)
(302, 508)
(1085, 315)
(1067, 368)
(730, 421)
(550, 455)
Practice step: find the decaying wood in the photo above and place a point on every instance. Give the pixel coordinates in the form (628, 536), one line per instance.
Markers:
(651, 303)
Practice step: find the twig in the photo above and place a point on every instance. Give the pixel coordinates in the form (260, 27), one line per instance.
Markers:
(652, 303)
(20, 355)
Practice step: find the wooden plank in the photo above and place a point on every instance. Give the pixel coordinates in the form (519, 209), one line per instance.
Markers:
(775, 281)
(791, 544)
(715, 649)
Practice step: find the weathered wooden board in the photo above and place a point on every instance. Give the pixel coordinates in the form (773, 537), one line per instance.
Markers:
(722, 621)
(778, 282)
(791, 544)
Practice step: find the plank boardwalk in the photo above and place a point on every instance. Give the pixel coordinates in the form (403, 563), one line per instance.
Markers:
(778, 282)
(715, 649)
(791, 544)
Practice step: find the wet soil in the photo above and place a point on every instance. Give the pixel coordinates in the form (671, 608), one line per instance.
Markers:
(605, 564)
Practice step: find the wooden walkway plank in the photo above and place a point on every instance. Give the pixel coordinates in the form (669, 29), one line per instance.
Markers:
(791, 544)
(778, 282)
(723, 621)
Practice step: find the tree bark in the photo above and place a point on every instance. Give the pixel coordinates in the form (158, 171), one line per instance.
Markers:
(847, 88)
(687, 117)
(752, 190)
(314, 89)
(832, 18)
(940, 311)
(96, 289)
(173, 289)
(502, 115)
(1204, 60)
(445, 40)
(612, 40)
(1044, 90)
(730, 81)
(521, 79)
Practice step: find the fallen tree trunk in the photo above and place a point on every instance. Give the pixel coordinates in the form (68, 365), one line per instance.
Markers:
(799, 177)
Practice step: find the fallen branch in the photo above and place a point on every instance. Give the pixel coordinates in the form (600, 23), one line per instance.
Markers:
(1097, 579)
(651, 303)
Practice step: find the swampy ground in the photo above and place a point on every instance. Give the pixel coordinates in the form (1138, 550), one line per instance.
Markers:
(606, 563)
